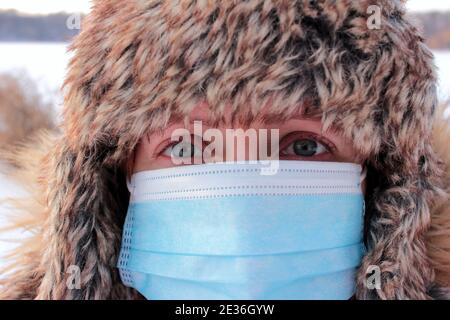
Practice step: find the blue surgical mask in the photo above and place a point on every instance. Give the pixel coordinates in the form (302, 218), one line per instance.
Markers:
(232, 231)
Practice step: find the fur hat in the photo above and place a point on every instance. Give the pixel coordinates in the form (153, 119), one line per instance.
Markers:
(140, 63)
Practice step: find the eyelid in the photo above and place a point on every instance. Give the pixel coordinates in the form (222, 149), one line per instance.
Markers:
(291, 137)
(169, 142)
(162, 146)
(284, 141)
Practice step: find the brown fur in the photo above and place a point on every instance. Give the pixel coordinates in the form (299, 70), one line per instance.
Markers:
(438, 238)
(139, 64)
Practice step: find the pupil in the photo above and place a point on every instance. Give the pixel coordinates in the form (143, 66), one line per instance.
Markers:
(305, 147)
(186, 150)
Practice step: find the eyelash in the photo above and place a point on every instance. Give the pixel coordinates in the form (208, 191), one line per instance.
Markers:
(169, 143)
(293, 136)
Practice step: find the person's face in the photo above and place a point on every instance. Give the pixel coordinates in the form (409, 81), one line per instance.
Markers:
(300, 138)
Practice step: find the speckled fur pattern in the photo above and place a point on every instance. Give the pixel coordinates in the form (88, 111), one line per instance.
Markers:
(139, 64)
(438, 236)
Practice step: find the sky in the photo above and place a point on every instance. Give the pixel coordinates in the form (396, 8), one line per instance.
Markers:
(49, 6)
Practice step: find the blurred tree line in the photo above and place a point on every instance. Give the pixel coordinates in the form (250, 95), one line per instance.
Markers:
(435, 26)
(15, 26)
(23, 112)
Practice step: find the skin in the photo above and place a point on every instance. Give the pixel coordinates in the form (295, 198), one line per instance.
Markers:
(155, 150)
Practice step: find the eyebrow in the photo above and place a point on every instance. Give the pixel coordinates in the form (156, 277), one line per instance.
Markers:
(266, 119)
(187, 120)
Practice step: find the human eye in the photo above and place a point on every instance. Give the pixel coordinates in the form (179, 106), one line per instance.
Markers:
(306, 145)
(183, 150)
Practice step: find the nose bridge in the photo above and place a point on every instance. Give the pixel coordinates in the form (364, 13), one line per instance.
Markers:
(241, 144)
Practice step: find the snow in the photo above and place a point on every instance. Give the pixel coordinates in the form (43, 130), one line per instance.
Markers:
(44, 62)
(7, 189)
(443, 65)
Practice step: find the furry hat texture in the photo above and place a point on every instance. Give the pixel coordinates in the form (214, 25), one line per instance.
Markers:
(140, 63)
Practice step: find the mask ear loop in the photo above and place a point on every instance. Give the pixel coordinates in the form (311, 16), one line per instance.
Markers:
(361, 179)
(363, 174)
(129, 185)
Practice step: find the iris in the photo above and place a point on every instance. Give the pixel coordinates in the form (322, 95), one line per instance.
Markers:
(305, 147)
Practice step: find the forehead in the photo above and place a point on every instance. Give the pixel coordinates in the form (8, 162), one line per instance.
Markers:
(269, 114)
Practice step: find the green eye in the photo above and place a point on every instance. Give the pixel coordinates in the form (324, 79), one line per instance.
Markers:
(305, 148)
(183, 150)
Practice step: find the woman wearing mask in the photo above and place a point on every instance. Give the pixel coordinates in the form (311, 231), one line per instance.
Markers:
(353, 205)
